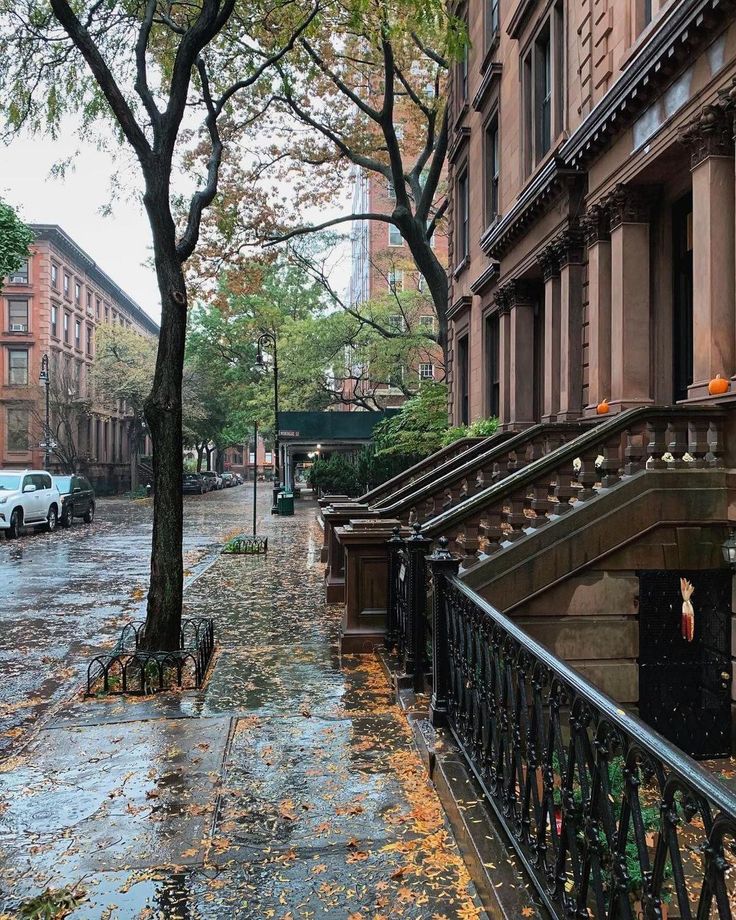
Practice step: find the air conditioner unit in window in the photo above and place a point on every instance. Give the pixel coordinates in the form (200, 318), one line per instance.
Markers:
(18, 327)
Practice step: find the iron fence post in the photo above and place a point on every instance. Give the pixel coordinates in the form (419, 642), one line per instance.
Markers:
(395, 544)
(417, 548)
(443, 565)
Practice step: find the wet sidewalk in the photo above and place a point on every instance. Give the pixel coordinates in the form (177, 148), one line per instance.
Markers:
(288, 788)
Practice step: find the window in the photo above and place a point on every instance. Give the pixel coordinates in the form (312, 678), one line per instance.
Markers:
(463, 218)
(426, 371)
(20, 275)
(77, 334)
(493, 21)
(18, 429)
(66, 328)
(66, 284)
(77, 292)
(107, 314)
(89, 339)
(542, 71)
(463, 381)
(493, 364)
(18, 367)
(647, 12)
(427, 323)
(269, 456)
(252, 458)
(394, 236)
(98, 307)
(18, 315)
(54, 276)
(395, 280)
(54, 321)
(397, 322)
(89, 301)
(492, 170)
(391, 191)
(462, 78)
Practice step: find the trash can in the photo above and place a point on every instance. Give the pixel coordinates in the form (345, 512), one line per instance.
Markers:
(286, 503)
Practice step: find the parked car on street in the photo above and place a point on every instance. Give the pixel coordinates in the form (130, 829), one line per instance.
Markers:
(228, 480)
(27, 498)
(77, 499)
(194, 484)
(212, 479)
(238, 479)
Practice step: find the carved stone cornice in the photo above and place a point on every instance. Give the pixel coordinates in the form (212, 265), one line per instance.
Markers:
(710, 134)
(569, 247)
(596, 225)
(501, 299)
(629, 204)
(520, 294)
(548, 258)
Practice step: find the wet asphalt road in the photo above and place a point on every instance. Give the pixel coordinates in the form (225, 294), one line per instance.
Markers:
(65, 595)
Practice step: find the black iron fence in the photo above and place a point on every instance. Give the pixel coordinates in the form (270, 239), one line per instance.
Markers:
(611, 821)
(130, 669)
(408, 629)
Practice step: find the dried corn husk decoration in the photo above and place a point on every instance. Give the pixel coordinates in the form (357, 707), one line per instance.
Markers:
(688, 614)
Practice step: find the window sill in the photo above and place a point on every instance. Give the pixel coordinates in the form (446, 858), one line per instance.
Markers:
(490, 51)
(461, 266)
(463, 111)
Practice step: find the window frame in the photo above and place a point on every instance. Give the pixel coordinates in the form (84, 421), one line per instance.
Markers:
(11, 447)
(65, 327)
(542, 94)
(492, 24)
(78, 334)
(54, 320)
(422, 366)
(492, 167)
(11, 368)
(392, 228)
(462, 218)
(66, 286)
(55, 276)
(19, 276)
(27, 323)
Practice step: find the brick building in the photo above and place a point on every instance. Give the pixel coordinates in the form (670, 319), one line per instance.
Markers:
(241, 459)
(53, 306)
(382, 267)
(591, 168)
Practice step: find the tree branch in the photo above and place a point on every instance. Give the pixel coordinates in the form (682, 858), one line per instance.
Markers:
(302, 231)
(372, 113)
(141, 79)
(435, 171)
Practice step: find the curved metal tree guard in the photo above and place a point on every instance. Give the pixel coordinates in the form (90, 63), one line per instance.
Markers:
(130, 669)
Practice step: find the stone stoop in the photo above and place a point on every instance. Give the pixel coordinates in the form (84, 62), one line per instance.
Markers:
(500, 880)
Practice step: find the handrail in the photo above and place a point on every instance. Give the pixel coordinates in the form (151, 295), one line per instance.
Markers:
(569, 451)
(458, 472)
(650, 740)
(449, 451)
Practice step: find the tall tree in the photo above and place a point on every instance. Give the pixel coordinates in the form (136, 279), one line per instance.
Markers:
(155, 66)
(15, 240)
(365, 90)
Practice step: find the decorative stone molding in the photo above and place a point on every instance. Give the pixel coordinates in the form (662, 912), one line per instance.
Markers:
(520, 294)
(596, 225)
(710, 134)
(501, 298)
(629, 204)
(548, 258)
(569, 247)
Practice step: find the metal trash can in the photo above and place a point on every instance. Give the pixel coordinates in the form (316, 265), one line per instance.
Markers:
(286, 503)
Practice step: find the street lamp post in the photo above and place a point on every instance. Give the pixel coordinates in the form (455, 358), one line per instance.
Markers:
(45, 379)
(268, 338)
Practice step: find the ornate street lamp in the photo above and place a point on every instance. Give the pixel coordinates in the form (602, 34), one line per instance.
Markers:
(268, 338)
(728, 548)
(45, 379)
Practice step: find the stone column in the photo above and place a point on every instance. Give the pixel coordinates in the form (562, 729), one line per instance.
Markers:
(710, 139)
(630, 298)
(570, 251)
(598, 239)
(521, 360)
(504, 357)
(548, 259)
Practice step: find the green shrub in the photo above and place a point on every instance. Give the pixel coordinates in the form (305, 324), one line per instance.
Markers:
(481, 428)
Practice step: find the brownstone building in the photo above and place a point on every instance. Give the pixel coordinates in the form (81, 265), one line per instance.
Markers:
(592, 230)
(53, 306)
(381, 266)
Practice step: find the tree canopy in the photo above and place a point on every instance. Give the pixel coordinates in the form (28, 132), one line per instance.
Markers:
(15, 240)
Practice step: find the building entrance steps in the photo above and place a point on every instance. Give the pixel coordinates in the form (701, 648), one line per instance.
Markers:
(288, 787)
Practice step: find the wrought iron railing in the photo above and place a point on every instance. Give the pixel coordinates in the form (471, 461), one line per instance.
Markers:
(407, 628)
(610, 820)
(130, 669)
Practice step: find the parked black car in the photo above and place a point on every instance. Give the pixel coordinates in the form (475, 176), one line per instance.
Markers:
(193, 484)
(77, 499)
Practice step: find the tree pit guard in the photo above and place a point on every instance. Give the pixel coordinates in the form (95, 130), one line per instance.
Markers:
(246, 544)
(129, 669)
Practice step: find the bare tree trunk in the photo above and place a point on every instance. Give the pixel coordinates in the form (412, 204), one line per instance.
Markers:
(164, 415)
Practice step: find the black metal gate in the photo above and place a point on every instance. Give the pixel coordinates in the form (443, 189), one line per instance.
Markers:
(684, 687)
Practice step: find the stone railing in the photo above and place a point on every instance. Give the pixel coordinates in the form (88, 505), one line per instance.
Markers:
(556, 482)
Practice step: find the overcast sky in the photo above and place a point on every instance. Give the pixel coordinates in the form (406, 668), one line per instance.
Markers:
(119, 242)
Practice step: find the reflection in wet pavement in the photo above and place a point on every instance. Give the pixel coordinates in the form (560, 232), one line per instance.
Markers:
(66, 595)
(288, 787)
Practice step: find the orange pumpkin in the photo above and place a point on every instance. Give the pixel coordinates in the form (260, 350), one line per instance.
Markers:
(718, 386)
(602, 408)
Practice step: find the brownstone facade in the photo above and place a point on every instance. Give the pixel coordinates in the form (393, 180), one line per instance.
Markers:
(592, 220)
(53, 305)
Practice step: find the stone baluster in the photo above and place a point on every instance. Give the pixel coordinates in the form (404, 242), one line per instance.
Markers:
(500, 471)
(657, 447)
(514, 516)
(480, 481)
(698, 446)
(677, 445)
(470, 542)
(634, 451)
(540, 502)
(464, 490)
(611, 464)
(490, 528)
(430, 507)
(588, 475)
(564, 488)
(715, 438)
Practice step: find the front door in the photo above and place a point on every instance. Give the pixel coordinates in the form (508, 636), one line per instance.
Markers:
(684, 687)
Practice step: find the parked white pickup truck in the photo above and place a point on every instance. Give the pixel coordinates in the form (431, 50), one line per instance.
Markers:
(28, 498)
